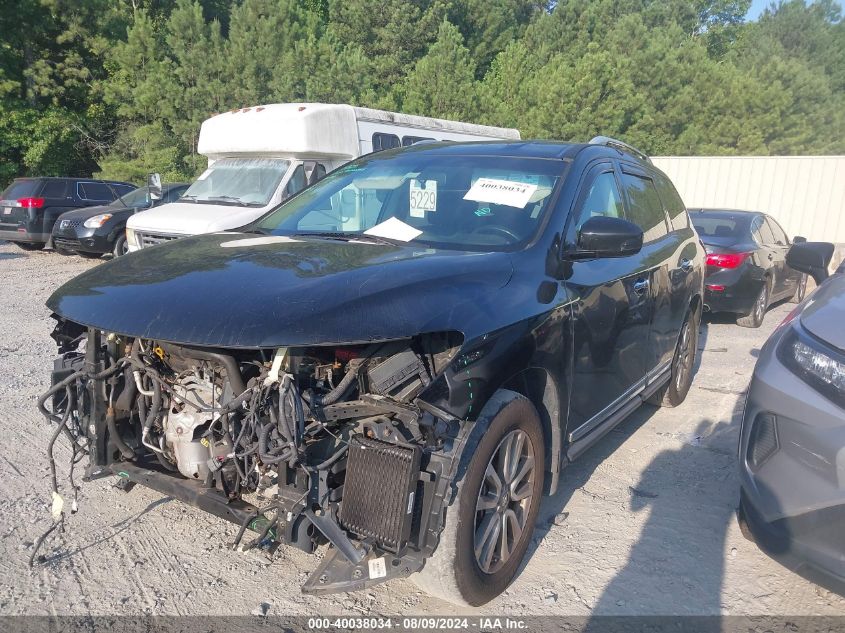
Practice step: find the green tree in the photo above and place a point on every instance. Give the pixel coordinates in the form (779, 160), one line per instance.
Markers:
(442, 83)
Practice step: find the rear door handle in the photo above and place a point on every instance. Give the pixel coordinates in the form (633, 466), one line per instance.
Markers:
(686, 265)
(640, 286)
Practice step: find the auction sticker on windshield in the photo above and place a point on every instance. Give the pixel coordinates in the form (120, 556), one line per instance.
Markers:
(495, 191)
(423, 197)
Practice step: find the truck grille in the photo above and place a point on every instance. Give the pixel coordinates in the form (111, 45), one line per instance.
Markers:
(151, 239)
(379, 491)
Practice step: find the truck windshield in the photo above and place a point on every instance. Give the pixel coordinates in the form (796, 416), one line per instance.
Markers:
(446, 201)
(238, 181)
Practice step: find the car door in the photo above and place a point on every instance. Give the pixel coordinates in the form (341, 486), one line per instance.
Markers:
(612, 309)
(787, 276)
(770, 259)
(675, 252)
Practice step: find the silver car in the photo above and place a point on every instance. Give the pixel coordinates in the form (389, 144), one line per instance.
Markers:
(792, 440)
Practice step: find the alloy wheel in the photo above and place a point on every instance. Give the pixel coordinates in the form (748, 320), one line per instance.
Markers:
(504, 501)
(684, 356)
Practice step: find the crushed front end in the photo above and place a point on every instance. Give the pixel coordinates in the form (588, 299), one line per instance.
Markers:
(340, 445)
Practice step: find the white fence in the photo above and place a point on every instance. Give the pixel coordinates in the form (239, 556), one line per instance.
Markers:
(806, 194)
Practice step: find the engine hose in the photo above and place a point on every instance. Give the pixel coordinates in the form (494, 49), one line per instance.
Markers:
(262, 447)
(233, 373)
(165, 462)
(335, 394)
(111, 424)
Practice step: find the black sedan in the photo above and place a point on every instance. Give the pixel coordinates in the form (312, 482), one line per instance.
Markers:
(95, 231)
(746, 263)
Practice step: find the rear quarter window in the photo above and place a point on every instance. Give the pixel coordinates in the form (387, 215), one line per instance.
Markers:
(21, 188)
(672, 202)
(54, 189)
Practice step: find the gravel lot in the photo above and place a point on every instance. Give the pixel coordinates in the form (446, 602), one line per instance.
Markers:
(649, 528)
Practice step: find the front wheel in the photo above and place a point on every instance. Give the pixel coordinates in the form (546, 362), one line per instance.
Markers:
(120, 246)
(490, 521)
(674, 392)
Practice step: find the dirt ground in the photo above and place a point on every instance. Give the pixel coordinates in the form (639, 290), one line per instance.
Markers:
(650, 527)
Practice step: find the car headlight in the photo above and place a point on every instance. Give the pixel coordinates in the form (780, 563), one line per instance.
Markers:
(97, 221)
(821, 368)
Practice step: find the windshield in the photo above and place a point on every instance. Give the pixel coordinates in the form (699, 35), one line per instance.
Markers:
(238, 181)
(460, 202)
(135, 198)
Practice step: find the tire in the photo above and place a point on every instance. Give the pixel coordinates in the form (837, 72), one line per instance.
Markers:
(120, 247)
(89, 255)
(755, 318)
(800, 291)
(29, 246)
(675, 391)
(454, 573)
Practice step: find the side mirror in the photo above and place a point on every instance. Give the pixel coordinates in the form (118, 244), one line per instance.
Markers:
(799, 240)
(812, 258)
(602, 236)
(154, 186)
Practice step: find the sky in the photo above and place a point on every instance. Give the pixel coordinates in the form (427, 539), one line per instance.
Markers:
(757, 7)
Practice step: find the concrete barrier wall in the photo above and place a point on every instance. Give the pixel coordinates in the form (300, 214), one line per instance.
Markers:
(806, 194)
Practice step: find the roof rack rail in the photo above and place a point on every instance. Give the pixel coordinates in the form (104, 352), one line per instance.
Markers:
(621, 145)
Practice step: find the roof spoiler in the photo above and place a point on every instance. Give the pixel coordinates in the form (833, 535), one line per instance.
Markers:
(620, 145)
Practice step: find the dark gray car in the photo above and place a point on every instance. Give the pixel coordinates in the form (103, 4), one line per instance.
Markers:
(792, 440)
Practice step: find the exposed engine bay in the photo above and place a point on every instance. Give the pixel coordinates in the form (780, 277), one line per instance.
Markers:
(304, 446)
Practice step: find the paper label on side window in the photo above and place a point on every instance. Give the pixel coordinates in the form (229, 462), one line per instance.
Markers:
(423, 197)
(507, 192)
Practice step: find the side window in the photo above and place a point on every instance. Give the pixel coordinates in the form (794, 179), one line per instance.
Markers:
(384, 141)
(174, 194)
(766, 232)
(645, 208)
(672, 203)
(600, 197)
(755, 230)
(780, 235)
(95, 191)
(410, 140)
(54, 189)
(122, 190)
(298, 181)
(315, 172)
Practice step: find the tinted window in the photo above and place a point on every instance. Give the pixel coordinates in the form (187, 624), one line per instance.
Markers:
(54, 189)
(410, 140)
(123, 189)
(646, 210)
(716, 227)
(384, 141)
(755, 230)
(95, 191)
(21, 188)
(601, 198)
(318, 172)
(672, 203)
(779, 234)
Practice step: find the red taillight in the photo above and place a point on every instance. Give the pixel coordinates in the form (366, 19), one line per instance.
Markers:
(726, 260)
(715, 288)
(31, 203)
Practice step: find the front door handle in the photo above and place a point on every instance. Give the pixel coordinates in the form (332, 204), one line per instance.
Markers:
(686, 265)
(640, 286)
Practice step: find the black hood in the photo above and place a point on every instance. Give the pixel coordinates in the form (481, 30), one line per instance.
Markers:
(89, 212)
(237, 290)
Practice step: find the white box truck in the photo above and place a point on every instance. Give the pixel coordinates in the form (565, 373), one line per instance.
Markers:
(261, 155)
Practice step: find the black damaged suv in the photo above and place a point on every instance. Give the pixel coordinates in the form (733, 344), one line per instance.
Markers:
(398, 362)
